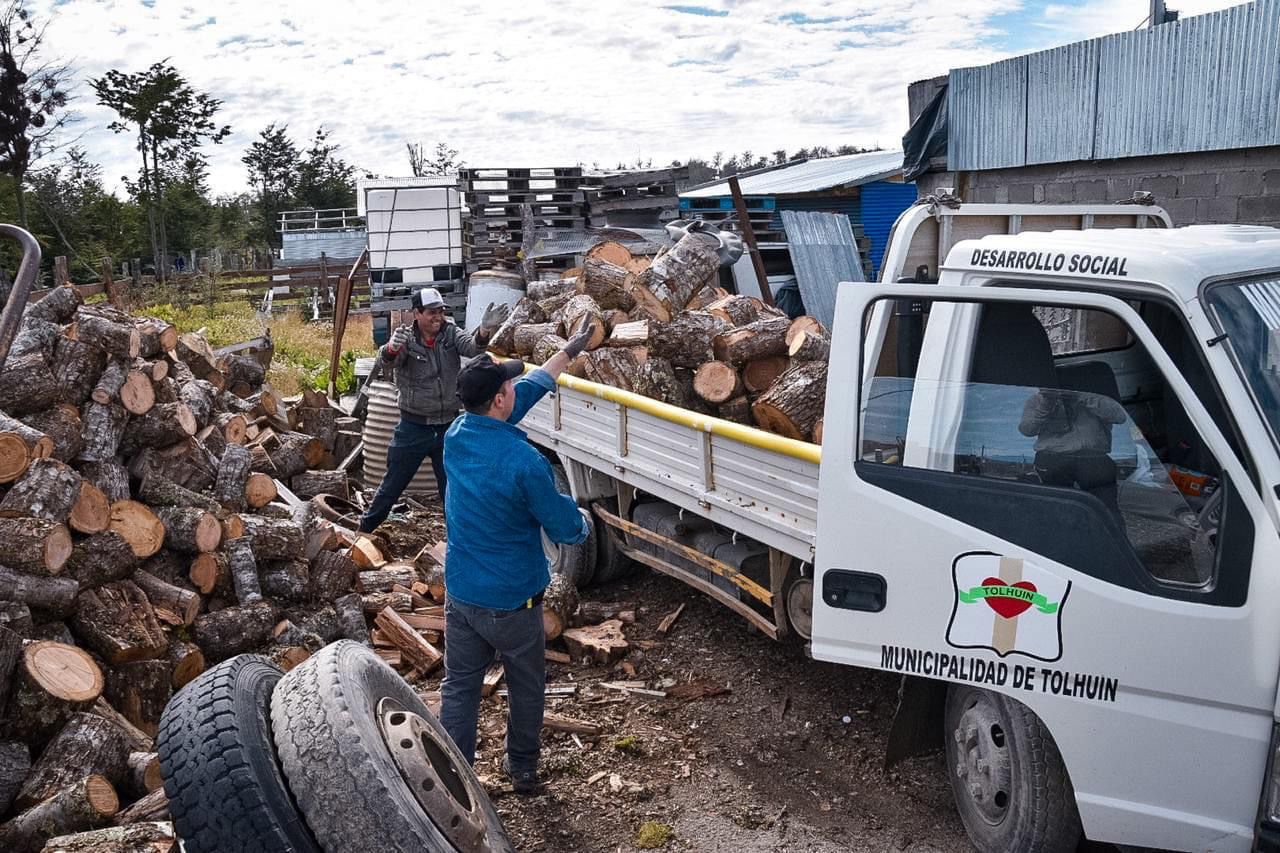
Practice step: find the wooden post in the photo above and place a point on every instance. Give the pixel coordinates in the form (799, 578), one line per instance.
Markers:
(109, 284)
(341, 307)
(135, 272)
(749, 239)
(60, 276)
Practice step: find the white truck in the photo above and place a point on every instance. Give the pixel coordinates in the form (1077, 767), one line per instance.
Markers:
(1048, 494)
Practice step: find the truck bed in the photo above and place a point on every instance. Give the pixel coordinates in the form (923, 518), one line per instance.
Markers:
(758, 484)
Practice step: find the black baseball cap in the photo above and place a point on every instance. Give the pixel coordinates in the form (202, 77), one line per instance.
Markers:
(481, 378)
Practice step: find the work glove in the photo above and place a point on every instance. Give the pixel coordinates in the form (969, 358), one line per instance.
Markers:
(399, 338)
(494, 316)
(579, 342)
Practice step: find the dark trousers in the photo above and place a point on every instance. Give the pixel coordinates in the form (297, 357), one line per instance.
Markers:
(473, 635)
(411, 444)
(1093, 472)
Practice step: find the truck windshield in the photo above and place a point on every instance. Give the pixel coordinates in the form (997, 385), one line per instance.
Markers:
(1249, 314)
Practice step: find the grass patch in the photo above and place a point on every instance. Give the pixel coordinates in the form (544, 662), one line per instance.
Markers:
(653, 834)
(629, 744)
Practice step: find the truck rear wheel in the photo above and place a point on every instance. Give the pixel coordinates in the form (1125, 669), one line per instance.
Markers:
(578, 561)
(611, 564)
(1011, 787)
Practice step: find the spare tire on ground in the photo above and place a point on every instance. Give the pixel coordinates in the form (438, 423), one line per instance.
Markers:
(225, 790)
(370, 766)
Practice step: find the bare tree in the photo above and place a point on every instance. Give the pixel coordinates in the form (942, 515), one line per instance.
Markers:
(443, 162)
(33, 98)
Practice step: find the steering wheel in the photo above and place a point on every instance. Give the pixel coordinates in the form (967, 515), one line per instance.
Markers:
(1210, 518)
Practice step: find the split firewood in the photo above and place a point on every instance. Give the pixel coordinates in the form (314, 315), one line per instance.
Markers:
(118, 622)
(86, 745)
(559, 604)
(19, 444)
(491, 680)
(560, 723)
(139, 691)
(686, 341)
(630, 334)
(806, 346)
(413, 646)
(76, 367)
(173, 604)
(762, 338)
(234, 630)
(662, 290)
(579, 313)
(717, 381)
(806, 324)
(793, 405)
(27, 384)
(288, 657)
(186, 661)
(61, 423)
(669, 621)
(34, 545)
(366, 554)
(52, 681)
(85, 804)
(154, 807)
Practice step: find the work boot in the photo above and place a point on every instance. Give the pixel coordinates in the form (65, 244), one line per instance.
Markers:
(523, 782)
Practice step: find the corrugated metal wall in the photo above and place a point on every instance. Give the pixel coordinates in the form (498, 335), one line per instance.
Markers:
(882, 203)
(1205, 83)
(307, 245)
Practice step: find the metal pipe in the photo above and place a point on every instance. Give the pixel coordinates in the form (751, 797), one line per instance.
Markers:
(22, 282)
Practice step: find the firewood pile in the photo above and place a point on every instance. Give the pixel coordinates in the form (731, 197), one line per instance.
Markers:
(146, 531)
(664, 330)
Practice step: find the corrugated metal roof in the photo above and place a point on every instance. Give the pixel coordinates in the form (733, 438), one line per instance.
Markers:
(849, 170)
(824, 254)
(1062, 86)
(987, 116)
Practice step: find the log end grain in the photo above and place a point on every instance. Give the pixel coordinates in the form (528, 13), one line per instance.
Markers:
(63, 671)
(139, 526)
(92, 511)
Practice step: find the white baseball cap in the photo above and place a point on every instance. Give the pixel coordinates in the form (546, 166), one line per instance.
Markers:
(427, 297)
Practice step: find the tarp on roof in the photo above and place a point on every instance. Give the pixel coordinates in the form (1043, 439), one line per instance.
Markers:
(827, 173)
(926, 139)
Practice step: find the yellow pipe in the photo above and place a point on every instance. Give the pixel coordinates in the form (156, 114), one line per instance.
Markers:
(801, 450)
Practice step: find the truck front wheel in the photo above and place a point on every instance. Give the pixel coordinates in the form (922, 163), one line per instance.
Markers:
(1011, 787)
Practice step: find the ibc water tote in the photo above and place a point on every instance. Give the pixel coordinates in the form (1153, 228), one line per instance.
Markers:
(499, 286)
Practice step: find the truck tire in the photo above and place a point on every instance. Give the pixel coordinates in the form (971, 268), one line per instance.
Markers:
(1011, 786)
(578, 561)
(371, 767)
(225, 789)
(611, 564)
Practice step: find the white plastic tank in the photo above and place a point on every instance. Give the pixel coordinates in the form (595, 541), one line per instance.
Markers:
(379, 426)
(498, 286)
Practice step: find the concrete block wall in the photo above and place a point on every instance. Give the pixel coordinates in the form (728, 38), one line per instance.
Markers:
(1236, 186)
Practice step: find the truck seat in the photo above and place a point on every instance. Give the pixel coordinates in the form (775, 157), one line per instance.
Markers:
(1012, 348)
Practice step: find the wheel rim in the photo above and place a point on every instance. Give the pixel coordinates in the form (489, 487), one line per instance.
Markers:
(436, 781)
(800, 607)
(550, 549)
(982, 760)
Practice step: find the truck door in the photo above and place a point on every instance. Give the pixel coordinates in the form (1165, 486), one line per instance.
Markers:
(988, 520)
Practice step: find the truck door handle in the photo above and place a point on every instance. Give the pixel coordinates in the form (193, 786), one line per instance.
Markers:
(850, 590)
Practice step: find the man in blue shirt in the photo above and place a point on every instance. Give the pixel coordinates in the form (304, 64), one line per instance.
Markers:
(501, 498)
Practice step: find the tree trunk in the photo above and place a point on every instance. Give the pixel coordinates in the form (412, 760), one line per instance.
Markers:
(34, 545)
(61, 423)
(173, 605)
(86, 745)
(755, 340)
(606, 283)
(76, 368)
(48, 490)
(663, 289)
(103, 430)
(244, 570)
(189, 529)
(117, 338)
(579, 312)
(164, 425)
(687, 340)
(118, 622)
(139, 691)
(332, 575)
(760, 373)
(53, 681)
(55, 595)
(139, 526)
(308, 484)
(558, 605)
(806, 346)
(109, 476)
(19, 444)
(86, 804)
(525, 311)
(794, 403)
(717, 382)
(27, 385)
(632, 334)
(186, 662)
(234, 630)
(527, 337)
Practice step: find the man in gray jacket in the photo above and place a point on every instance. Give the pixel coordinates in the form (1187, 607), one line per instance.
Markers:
(426, 356)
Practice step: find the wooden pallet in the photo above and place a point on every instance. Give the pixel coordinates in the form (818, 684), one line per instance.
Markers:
(485, 173)
(521, 185)
(516, 211)
(484, 198)
(642, 191)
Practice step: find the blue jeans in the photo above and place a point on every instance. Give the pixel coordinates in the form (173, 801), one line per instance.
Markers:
(411, 444)
(472, 637)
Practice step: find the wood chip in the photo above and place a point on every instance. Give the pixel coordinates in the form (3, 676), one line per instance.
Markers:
(668, 621)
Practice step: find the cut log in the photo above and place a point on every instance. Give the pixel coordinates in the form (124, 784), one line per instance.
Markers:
(53, 681)
(244, 570)
(186, 463)
(606, 283)
(285, 633)
(806, 324)
(540, 290)
(687, 340)
(546, 347)
(308, 484)
(631, 334)
(755, 340)
(387, 578)
(717, 382)
(85, 746)
(260, 490)
(189, 529)
(143, 774)
(76, 367)
(48, 490)
(34, 545)
(155, 336)
(10, 654)
(608, 251)
(61, 423)
(332, 575)
(525, 311)
(139, 526)
(109, 476)
(559, 604)
(376, 602)
(233, 476)
(27, 384)
(138, 740)
(36, 336)
(196, 353)
(15, 764)
(138, 393)
(579, 312)
(553, 308)
(173, 604)
(273, 539)
(139, 691)
(527, 337)
(16, 617)
(56, 306)
(19, 444)
(560, 723)
(234, 630)
(414, 648)
(147, 837)
(291, 453)
(366, 554)
(101, 558)
(738, 310)
(118, 622)
(349, 612)
(615, 366)
(592, 612)
(663, 289)
(210, 572)
(737, 410)
(794, 403)
(603, 643)
(186, 661)
(817, 432)
(287, 579)
(86, 804)
(152, 809)
(57, 595)
(156, 491)
(117, 338)
(232, 426)
(760, 373)
(806, 346)
(110, 381)
(321, 424)
(657, 379)
(198, 397)
(240, 368)
(165, 424)
(213, 440)
(103, 430)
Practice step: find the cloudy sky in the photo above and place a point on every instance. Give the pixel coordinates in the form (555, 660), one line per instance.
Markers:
(555, 83)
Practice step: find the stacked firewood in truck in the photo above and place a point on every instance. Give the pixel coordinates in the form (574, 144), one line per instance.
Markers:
(146, 532)
(666, 331)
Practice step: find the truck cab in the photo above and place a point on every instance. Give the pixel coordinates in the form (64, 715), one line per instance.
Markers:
(1049, 492)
